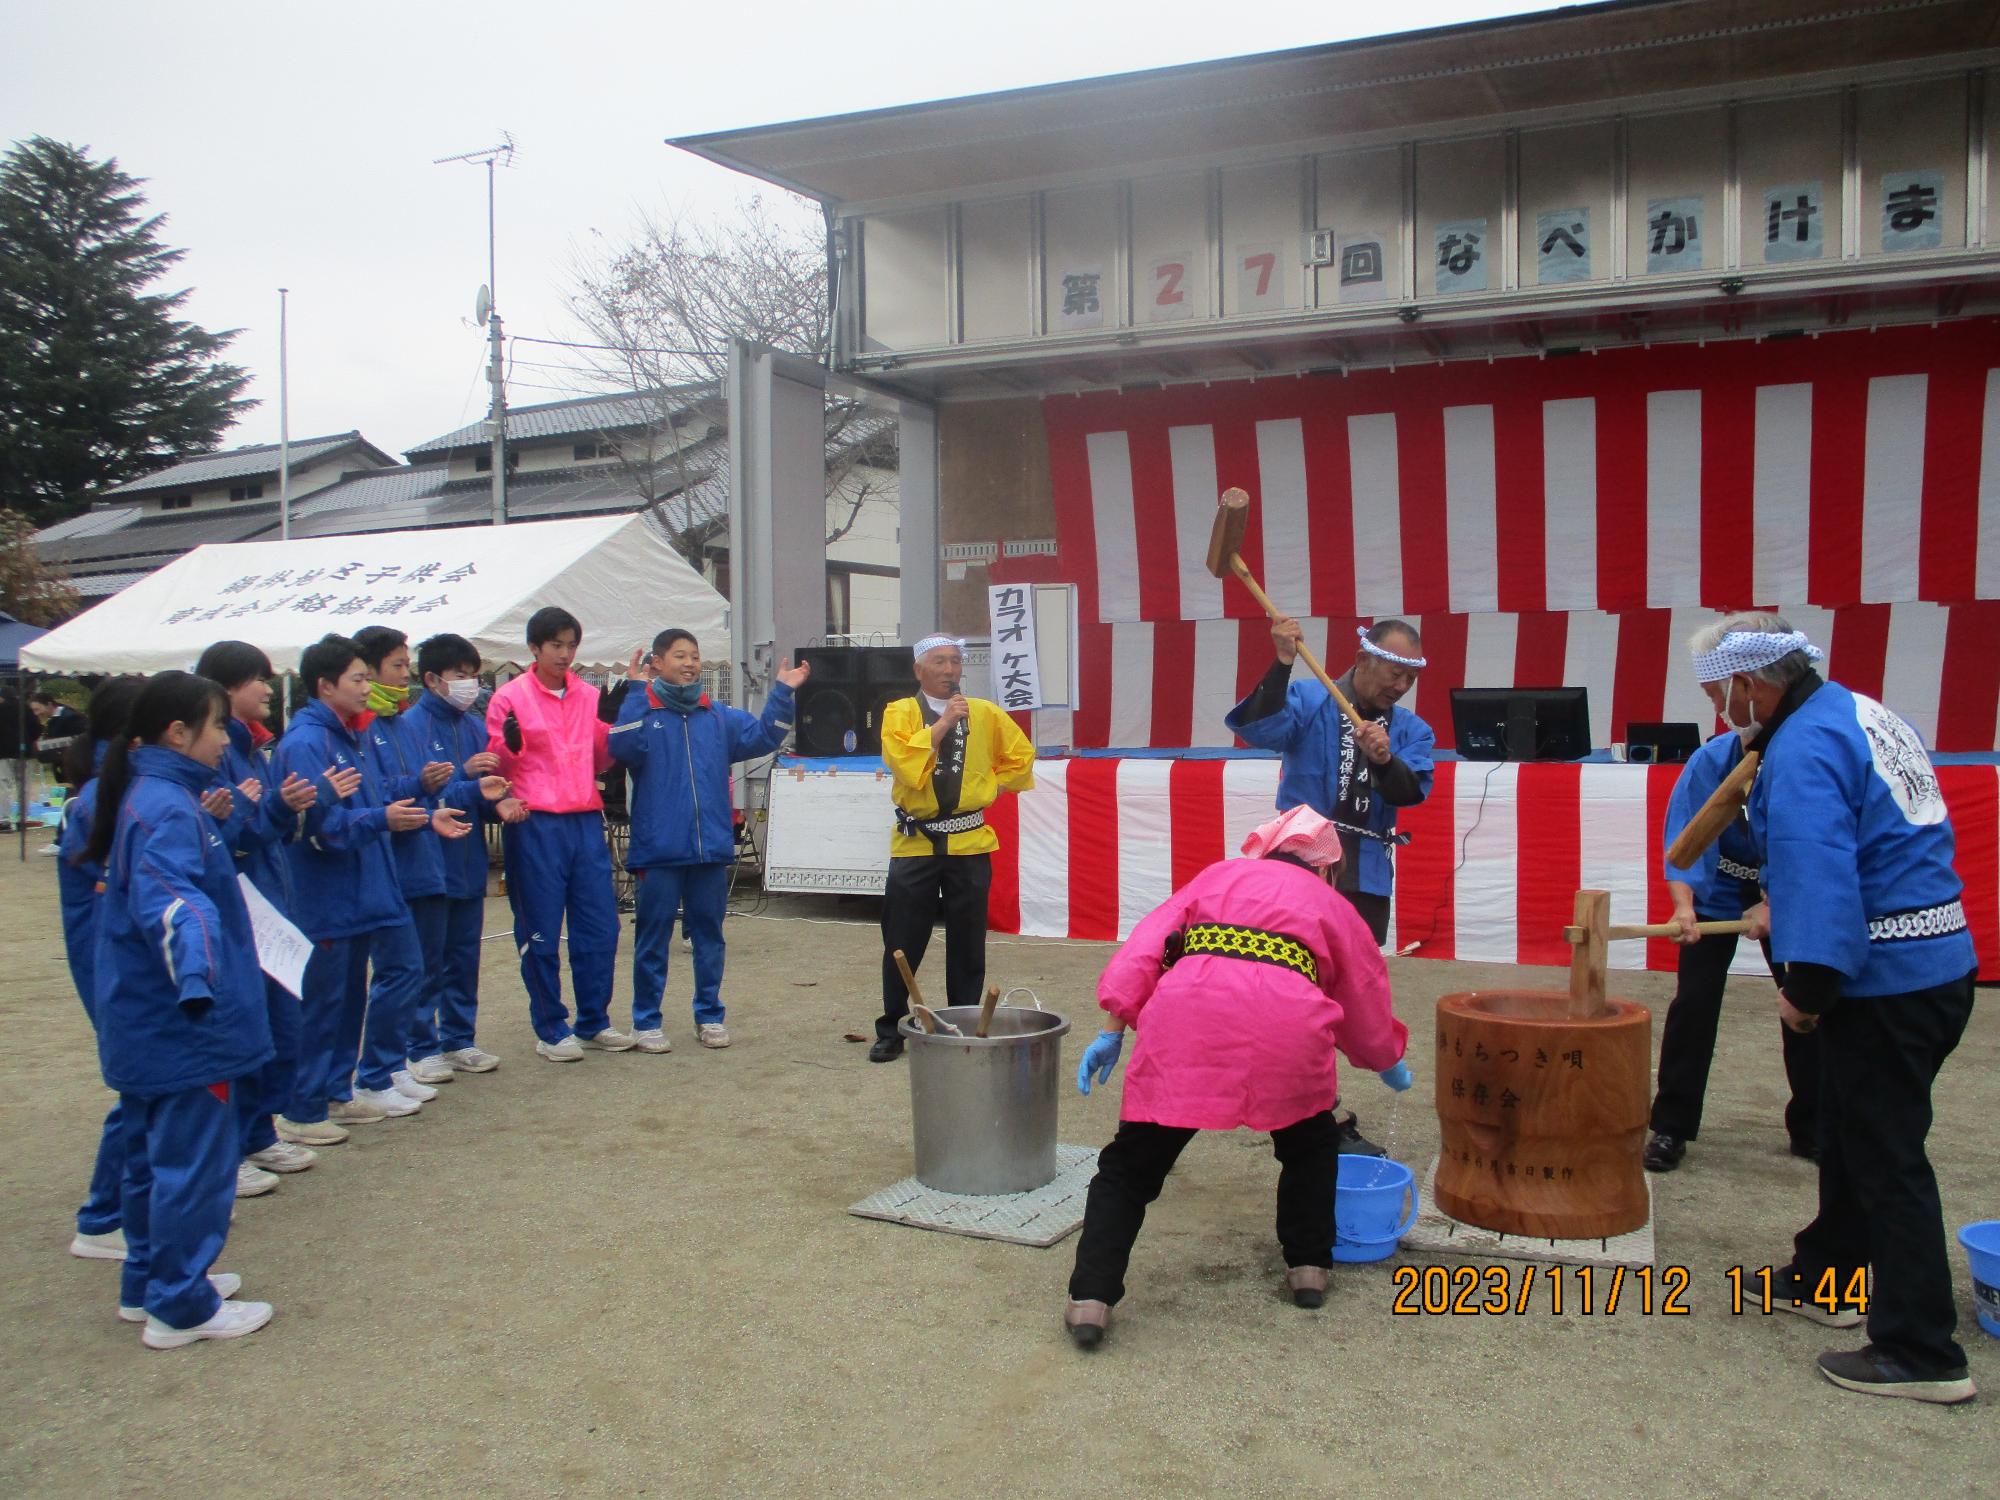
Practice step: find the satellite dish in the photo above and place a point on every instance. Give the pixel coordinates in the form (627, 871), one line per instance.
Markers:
(482, 307)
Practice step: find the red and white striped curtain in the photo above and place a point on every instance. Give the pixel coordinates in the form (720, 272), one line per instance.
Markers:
(1550, 521)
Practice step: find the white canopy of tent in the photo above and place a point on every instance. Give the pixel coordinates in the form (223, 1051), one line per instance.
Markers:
(616, 574)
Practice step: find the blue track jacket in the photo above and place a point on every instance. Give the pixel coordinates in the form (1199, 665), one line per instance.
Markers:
(180, 999)
(343, 876)
(681, 813)
(257, 831)
(455, 735)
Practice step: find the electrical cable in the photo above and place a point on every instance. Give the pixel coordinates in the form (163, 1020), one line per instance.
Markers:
(1464, 844)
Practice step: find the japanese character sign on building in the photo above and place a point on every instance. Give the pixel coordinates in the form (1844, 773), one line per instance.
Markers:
(1017, 678)
(1562, 246)
(1461, 250)
(1363, 266)
(1170, 291)
(1794, 221)
(1080, 298)
(1912, 211)
(1673, 235)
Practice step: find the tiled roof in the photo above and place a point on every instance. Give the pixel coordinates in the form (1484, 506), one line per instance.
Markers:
(245, 463)
(91, 523)
(373, 487)
(160, 537)
(468, 502)
(563, 418)
(102, 585)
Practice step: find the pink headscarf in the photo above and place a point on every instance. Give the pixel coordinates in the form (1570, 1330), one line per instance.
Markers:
(1299, 832)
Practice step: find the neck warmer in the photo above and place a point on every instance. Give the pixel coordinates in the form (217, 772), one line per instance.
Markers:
(682, 697)
(386, 702)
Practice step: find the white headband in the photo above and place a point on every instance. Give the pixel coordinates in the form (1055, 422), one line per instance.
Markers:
(1375, 649)
(931, 643)
(1751, 651)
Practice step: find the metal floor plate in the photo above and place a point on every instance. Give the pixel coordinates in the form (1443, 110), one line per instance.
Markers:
(1435, 1230)
(1039, 1218)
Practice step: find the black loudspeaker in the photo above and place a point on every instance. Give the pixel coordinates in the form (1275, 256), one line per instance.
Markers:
(840, 706)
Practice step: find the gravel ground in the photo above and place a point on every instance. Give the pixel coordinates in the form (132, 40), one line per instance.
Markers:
(635, 1275)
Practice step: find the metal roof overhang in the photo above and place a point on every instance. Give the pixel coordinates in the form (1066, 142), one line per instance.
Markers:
(1449, 77)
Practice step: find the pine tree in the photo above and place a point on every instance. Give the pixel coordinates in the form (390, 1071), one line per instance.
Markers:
(100, 381)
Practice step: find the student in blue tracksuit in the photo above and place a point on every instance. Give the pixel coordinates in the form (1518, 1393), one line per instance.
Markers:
(448, 899)
(679, 748)
(1721, 886)
(180, 1009)
(98, 1232)
(343, 887)
(397, 750)
(1867, 919)
(264, 819)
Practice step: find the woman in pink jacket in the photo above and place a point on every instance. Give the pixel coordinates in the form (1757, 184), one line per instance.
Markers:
(1241, 987)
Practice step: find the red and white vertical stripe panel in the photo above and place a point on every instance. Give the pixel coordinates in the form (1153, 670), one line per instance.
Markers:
(1855, 467)
(1497, 855)
(1169, 684)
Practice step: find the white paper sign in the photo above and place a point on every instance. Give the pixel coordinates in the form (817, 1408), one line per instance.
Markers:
(282, 950)
(1017, 676)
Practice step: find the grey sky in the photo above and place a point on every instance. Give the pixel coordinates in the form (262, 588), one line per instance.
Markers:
(292, 144)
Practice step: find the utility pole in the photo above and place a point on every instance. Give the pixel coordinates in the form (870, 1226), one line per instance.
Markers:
(487, 311)
(284, 428)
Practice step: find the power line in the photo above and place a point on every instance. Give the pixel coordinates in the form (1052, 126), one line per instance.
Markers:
(520, 338)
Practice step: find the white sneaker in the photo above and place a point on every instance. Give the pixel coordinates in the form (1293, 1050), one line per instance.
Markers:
(609, 1040)
(432, 1070)
(109, 1245)
(471, 1060)
(406, 1084)
(652, 1041)
(226, 1285)
(252, 1181)
(355, 1111)
(565, 1050)
(50, 849)
(317, 1133)
(391, 1103)
(283, 1156)
(231, 1321)
(712, 1034)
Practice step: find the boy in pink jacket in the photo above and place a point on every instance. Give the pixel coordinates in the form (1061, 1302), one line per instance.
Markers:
(545, 728)
(1241, 986)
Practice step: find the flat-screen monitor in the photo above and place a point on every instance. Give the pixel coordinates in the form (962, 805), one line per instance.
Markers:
(1521, 723)
(1661, 744)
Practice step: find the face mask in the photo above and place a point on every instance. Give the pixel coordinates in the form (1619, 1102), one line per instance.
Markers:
(385, 701)
(462, 692)
(1749, 728)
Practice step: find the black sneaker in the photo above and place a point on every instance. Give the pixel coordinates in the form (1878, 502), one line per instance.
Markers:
(1664, 1152)
(1353, 1142)
(1873, 1373)
(1793, 1293)
(886, 1049)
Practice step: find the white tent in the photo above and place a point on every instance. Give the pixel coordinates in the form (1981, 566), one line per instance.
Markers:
(616, 574)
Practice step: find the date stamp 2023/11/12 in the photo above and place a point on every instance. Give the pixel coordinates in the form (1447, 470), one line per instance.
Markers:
(1605, 1291)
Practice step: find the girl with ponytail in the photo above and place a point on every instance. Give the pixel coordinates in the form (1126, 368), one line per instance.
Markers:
(180, 1009)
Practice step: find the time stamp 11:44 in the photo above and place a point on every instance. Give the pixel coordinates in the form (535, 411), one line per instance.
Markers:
(1607, 1290)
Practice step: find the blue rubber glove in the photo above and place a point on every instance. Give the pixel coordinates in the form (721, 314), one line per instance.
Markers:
(1100, 1057)
(1398, 1077)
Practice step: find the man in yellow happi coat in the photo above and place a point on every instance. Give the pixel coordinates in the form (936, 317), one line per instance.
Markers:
(950, 756)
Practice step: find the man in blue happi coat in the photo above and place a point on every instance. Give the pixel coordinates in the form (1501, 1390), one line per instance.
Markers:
(1354, 778)
(1867, 921)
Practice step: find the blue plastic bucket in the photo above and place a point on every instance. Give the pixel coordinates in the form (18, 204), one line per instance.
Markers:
(1371, 1200)
(1982, 1248)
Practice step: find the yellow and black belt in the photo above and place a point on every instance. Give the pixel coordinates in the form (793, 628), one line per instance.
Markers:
(1253, 944)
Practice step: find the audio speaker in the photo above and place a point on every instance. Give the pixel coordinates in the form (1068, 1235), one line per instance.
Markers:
(840, 706)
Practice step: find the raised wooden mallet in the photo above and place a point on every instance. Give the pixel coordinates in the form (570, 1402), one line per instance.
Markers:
(1716, 814)
(1591, 930)
(1232, 519)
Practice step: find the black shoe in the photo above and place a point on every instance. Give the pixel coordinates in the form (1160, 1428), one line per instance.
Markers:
(1664, 1152)
(1353, 1142)
(1873, 1373)
(886, 1049)
(1806, 1150)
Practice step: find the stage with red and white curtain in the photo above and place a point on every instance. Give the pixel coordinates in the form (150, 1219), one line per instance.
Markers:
(1497, 855)
(1544, 521)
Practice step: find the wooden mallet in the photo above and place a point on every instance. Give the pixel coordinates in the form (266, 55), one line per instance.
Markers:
(1716, 814)
(1232, 518)
(986, 1009)
(1591, 930)
(918, 1009)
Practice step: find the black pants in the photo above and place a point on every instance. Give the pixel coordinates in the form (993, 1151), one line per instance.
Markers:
(1687, 1047)
(1133, 1168)
(1374, 911)
(1878, 1198)
(919, 888)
